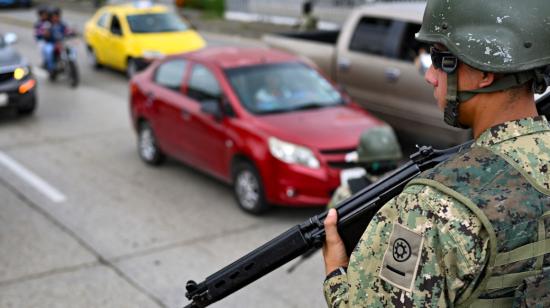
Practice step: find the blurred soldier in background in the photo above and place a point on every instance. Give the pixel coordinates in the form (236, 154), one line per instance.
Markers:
(308, 20)
(473, 231)
(377, 153)
(55, 31)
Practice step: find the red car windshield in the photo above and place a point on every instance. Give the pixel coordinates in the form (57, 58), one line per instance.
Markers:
(282, 87)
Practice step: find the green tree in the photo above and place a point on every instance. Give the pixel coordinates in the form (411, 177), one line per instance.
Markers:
(215, 7)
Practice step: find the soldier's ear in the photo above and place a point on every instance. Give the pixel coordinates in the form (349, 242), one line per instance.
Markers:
(487, 79)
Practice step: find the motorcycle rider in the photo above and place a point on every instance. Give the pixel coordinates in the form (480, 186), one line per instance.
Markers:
(40, 29)
(39, 25)
(55, 32)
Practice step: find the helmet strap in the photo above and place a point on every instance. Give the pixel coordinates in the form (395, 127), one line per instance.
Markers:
(452, 109)
(454, 97)
(506, 82)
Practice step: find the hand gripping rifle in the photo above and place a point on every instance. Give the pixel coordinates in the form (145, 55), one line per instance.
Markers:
(354, 214)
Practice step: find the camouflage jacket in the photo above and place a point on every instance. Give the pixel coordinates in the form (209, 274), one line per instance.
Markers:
(448, 242)
(308, 23)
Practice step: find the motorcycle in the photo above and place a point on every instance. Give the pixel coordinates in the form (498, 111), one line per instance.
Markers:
(65, 61)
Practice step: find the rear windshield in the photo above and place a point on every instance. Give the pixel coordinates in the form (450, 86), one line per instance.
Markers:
(282, 87)
(157, 22)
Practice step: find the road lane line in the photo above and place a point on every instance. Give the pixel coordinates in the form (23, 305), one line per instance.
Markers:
(39, 184)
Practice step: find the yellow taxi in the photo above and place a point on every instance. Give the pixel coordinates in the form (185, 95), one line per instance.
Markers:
(128, 37)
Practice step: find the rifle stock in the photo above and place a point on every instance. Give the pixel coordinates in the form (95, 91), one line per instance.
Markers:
(354, 215)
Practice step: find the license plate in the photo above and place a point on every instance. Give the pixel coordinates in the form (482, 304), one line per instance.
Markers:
(3, 99)
(352, 173)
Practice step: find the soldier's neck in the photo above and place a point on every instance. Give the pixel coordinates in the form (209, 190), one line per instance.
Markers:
(495, 108)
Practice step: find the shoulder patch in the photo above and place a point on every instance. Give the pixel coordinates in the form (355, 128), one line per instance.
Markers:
(402, 258)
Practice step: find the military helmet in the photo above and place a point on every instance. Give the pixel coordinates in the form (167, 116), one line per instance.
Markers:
(509, 37)
(492, 36)
(377, 144)
(378, 150)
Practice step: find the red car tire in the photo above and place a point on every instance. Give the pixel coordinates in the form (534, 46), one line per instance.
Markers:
(148, 148)
(248, 188)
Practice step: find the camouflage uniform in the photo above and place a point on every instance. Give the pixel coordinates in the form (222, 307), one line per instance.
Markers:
(342, 193)
(439, 246)
(308, 23)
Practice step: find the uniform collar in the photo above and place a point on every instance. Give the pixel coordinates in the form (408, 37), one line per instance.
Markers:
(512, 129)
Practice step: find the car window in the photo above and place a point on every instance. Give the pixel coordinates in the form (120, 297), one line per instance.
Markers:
(203, 85)
(370, 35)
(410, 46)
(156, 22)
(170, 74)
(1, 40)
(116, 29)
(393, 39)
(228, 110)
(102, 21)
(282, 87)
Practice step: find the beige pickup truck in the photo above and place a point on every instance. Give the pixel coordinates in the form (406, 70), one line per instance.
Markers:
(372, 57)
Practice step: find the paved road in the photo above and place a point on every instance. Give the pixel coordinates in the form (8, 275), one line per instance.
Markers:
(84, 223)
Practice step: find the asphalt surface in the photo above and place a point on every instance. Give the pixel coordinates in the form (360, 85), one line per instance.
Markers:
(84, 223)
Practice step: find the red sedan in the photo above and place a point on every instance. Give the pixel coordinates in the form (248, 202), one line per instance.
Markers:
(263, 120)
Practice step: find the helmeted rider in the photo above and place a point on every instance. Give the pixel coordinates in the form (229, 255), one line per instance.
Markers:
(473, 231)
(55, 33)
(39, 25)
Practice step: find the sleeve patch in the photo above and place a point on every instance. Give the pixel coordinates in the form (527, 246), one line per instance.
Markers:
(402, 258)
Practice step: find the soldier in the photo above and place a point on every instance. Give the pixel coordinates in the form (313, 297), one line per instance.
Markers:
(308, 21)
(472, 231)
(377, 153)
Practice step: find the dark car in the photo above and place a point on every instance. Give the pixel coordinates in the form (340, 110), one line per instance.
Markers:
(266, 121)
(17, 83)
(27, 3)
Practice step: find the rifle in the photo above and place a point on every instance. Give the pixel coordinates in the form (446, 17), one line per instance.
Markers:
(354, 214)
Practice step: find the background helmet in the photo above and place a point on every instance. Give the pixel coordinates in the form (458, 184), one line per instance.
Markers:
(378, 150)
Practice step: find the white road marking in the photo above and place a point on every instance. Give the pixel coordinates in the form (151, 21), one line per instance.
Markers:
(39, 184)
(40, 72)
